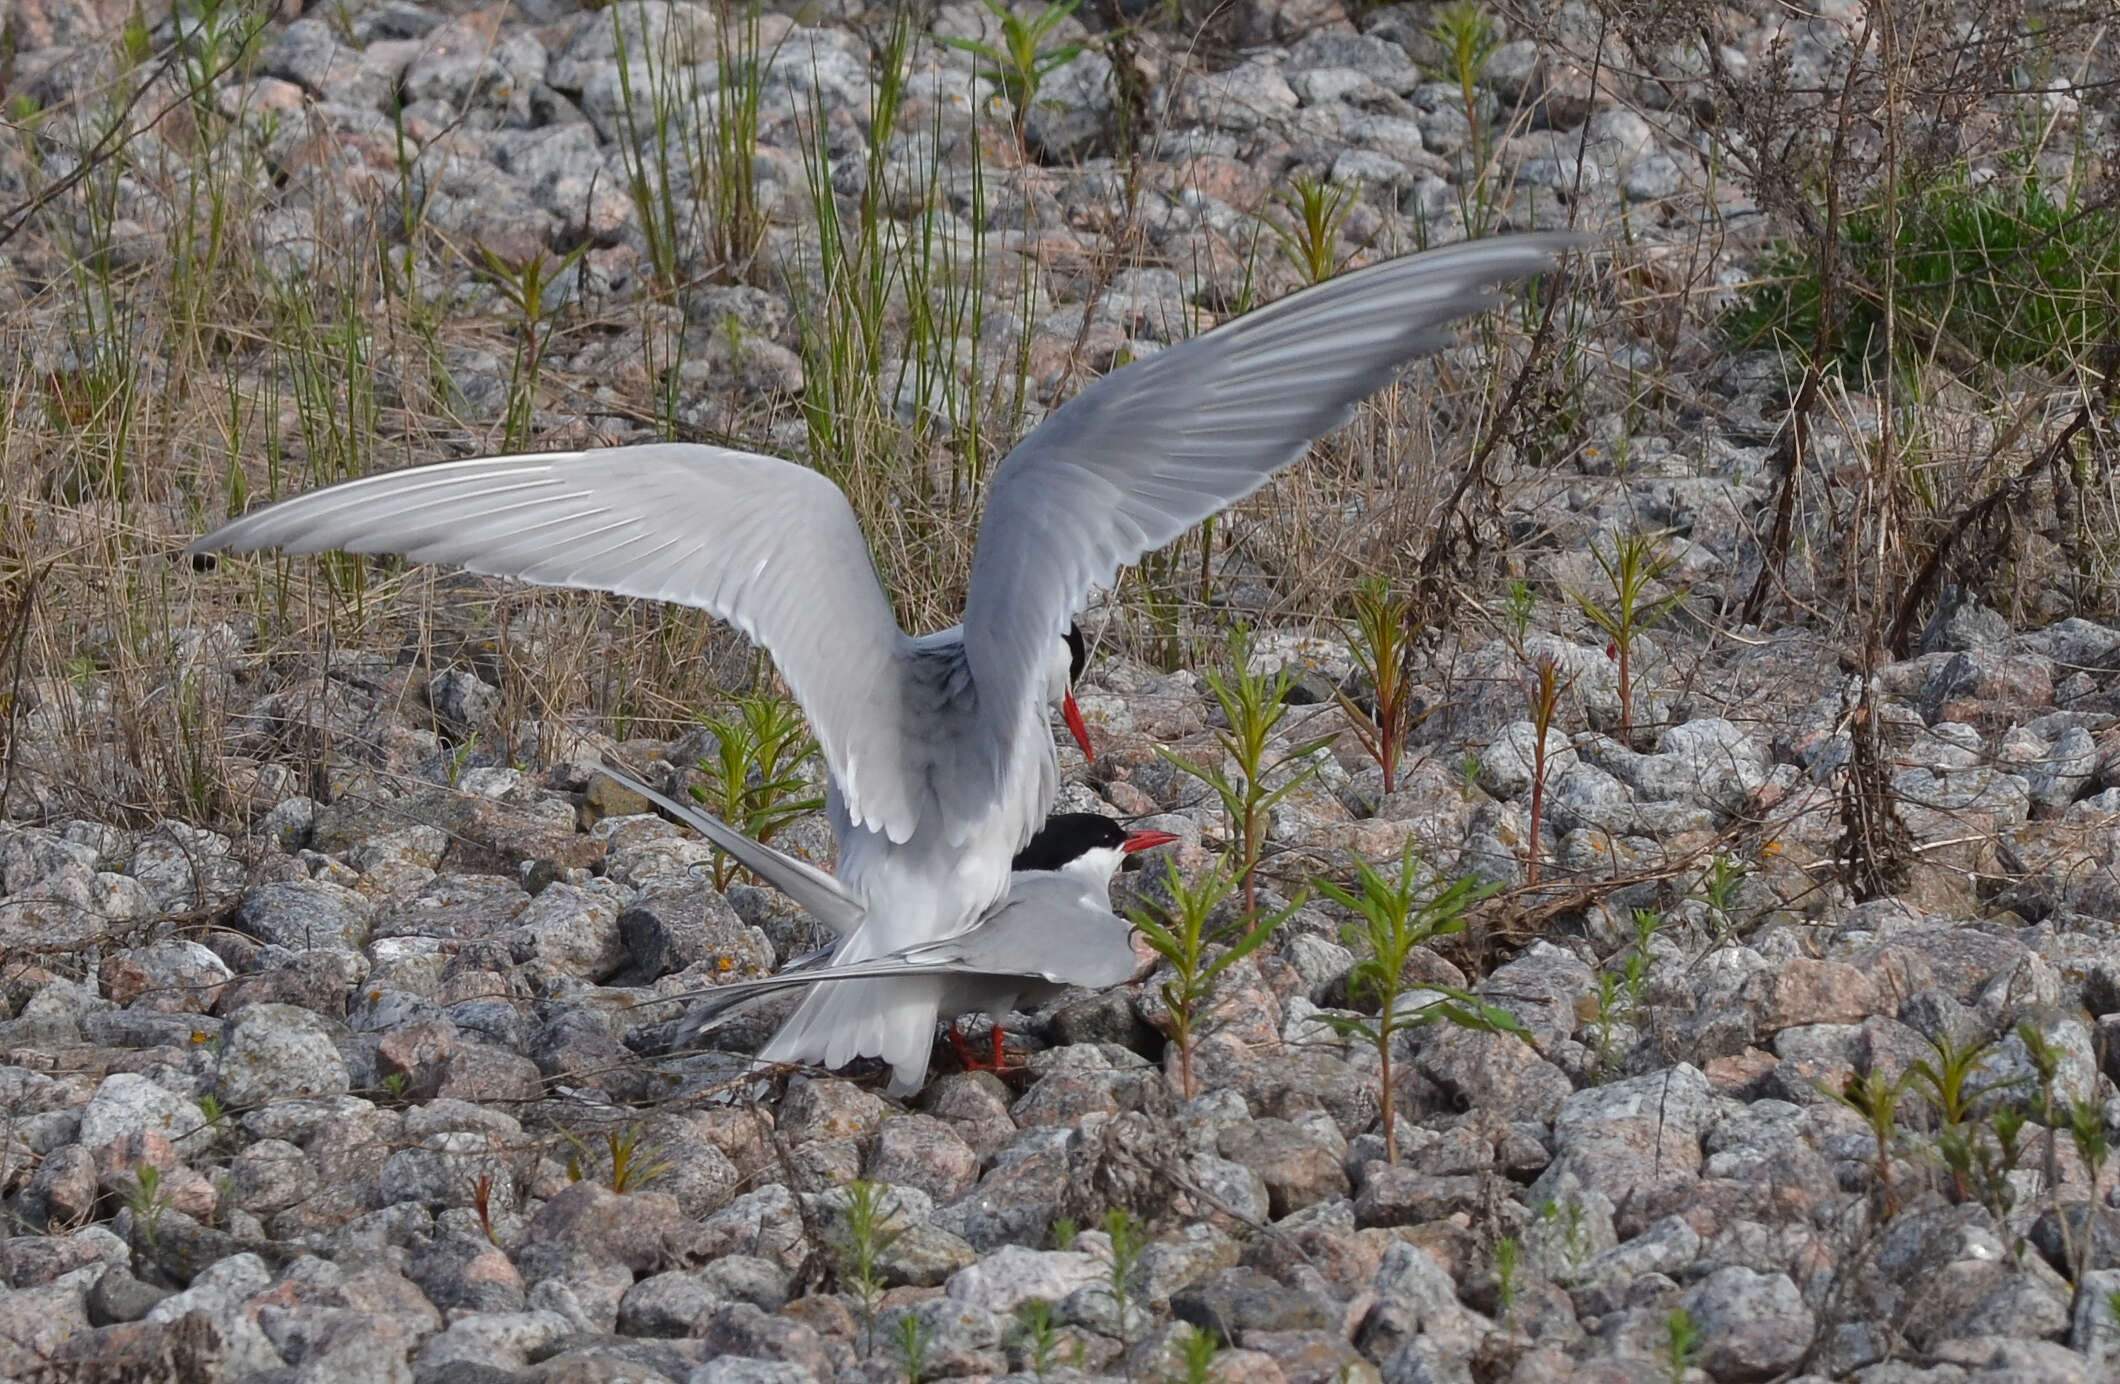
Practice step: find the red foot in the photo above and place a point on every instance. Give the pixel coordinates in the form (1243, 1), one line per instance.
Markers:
(970, 1060)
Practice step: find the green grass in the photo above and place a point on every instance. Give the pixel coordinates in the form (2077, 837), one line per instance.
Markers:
(2000, 274)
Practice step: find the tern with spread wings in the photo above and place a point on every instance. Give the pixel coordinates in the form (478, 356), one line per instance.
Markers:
(938, 749)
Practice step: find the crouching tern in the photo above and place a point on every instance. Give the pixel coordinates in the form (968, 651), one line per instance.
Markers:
(1054, 929)
(938, 752)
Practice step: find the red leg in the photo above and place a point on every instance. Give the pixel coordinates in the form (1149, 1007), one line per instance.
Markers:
(973, 1062)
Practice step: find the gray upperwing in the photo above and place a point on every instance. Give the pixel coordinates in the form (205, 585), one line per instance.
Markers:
(884, 968)
(820, 895)
(1143, 454)
(1048, 926)
(771, 547)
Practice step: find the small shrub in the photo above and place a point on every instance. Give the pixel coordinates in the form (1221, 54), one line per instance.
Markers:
(1981, 273)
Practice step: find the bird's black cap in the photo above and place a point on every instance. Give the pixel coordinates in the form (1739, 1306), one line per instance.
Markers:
(1067, 837)
(1077, 653)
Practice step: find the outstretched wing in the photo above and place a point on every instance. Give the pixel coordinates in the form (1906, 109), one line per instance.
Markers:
(771, 547)
(1150, 450)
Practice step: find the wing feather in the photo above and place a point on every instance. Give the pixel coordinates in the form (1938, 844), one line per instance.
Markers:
(1140, 456)
(771, 547)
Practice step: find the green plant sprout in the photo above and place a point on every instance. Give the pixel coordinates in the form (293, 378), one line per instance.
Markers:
(1318, 209)
(752, 779)
(1635, 562)
(1392, 917)
(525, 288)
(2086, 1128)
(1719, 885)
(1468, 39)
(1020, 63)
(1681, 1344)
(1381, 638)
(1518, 603)
(145, 1198)
(1037, 1332)
(1505, 1256)
(1252, 706)
(1199, 1350)
(913, 1347)
(1542, 697)
(1129, 1241)
(1608, 1009)
(1875, 1097)
(1182, 938)
(634, 1161)
(867, 1237)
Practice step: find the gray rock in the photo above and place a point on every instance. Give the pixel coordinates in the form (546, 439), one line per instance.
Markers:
(1378, 59)
(306, 914)
(673, 927)
(1506, 763)
(735, 1369)
(1236, 1301)
(1074, 109)
(278, 1052)
(924, 1152)
(271, 1175)
(119, 1297)
(1652, 177)
(668, 1304)
(2008, 1067)
(569, 932)
(1297, 1169)
(462, 698)
(463, 1270)
(1751, 1325)
(2061, 776)
(1631, 1137)
(185, 868)
(2093, 1328)
(1010, 1276)
(126, 1104)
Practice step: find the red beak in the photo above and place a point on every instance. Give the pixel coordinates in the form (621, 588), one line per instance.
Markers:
(1072, 714)
(1145, 840)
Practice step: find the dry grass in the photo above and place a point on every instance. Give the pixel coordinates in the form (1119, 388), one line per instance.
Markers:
(223, 304)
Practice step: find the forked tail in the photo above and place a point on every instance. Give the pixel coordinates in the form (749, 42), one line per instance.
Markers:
(844, 1019)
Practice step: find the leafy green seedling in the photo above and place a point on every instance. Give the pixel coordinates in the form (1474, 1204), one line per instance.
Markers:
(1635, 562)
(867, 1237)
(1392, 917)
(913, 1347)
(1252, 706)
(1381, 637)
(527, 288)
(1182, 938)
(635, 1162)
(1317, 209)
(1875, 1097)
(1681, 1344)
(1021, 61)
(753, 782)
(1542, 698)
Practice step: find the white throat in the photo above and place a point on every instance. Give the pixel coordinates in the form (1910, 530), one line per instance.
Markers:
(1093, 870)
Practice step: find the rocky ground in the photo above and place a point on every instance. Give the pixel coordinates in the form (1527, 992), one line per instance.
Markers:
(373, 1082)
